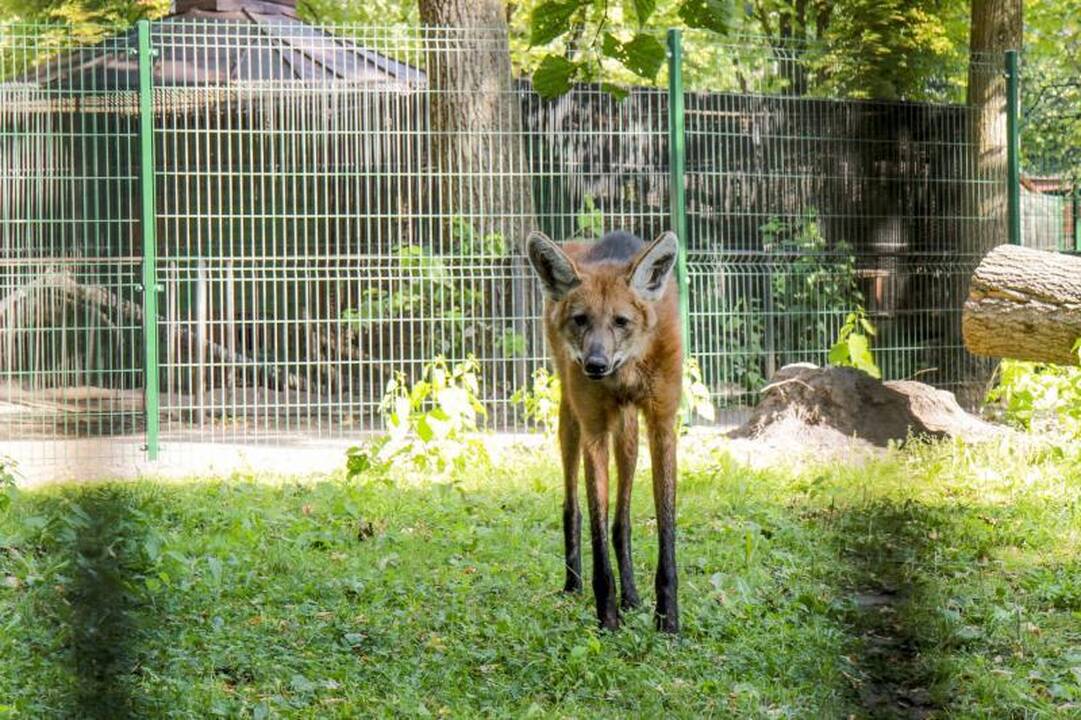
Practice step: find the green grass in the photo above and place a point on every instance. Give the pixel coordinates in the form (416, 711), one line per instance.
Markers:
(944, 579)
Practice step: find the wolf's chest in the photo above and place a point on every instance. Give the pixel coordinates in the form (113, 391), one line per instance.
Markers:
(628, 387)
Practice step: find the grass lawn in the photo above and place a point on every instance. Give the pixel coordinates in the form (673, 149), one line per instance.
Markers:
(943, 581)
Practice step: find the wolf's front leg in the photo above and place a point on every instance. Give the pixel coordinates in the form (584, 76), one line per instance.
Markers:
(604, 582)
(570, 440)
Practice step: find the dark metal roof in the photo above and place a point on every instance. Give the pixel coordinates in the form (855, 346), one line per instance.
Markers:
(223, 42)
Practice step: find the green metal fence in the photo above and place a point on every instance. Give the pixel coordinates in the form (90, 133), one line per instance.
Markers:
(803, 206)
(226, 231)
(71, 363)
(1048, 135)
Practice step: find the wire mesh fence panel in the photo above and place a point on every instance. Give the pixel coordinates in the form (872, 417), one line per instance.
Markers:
(1050, 155)
(70, 306)
(336, 207)
(802, 209)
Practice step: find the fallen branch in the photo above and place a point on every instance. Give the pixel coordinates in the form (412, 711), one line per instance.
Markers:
(119, 314)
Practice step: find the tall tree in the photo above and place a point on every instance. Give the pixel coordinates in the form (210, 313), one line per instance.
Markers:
(476, 116)
(852, 48)
(477, 143)
(87, 20)
(1051, 135)
(996, 27)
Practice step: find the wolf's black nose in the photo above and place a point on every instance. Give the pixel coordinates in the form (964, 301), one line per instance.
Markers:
(595, 366)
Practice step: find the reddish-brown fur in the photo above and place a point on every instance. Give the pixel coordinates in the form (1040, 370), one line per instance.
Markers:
(598, 413)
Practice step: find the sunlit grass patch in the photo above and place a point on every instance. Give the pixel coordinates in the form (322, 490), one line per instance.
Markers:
(394, 595)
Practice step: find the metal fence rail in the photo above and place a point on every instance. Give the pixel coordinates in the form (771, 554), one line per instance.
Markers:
(324, 208)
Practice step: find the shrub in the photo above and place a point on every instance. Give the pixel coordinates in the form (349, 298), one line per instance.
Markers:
(7, 482)
(853, 345)
(540, 400)
(812, 284)
(1039, 396)
(816, 283)
(424, 286)
(695, 400)
(431, 425)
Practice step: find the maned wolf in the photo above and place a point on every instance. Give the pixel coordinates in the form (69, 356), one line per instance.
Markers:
(612, 322)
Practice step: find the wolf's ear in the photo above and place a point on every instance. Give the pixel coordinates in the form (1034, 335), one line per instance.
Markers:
(556, 271)
(650, 272)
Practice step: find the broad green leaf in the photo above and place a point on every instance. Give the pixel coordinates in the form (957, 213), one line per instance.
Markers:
(858, 346)
(553, 77)
(706, 14)
(424, 428)
(643, 54)
(867, 364)
(590, 219)
(420, 391)
(612, 46)
(401, 411)
(438, 423)
(643, 9)
(838, 354)
(859, 351)
(550, 20)
(455, 402)
(868, 327)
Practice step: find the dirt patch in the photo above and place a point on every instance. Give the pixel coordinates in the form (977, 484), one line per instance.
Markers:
(827, 414)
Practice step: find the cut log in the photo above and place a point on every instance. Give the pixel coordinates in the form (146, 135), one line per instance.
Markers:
(1024, 304)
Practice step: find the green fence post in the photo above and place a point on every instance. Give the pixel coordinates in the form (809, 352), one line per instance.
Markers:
(1076, 216)
(147, 220)
(677, 162)
(1013, 147)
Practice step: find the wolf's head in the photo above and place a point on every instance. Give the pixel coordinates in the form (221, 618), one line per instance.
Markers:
(603, 313)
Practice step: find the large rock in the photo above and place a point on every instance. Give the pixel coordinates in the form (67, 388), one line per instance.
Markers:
(849, 403)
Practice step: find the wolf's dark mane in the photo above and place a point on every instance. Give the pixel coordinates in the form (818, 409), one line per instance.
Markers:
(616, 246)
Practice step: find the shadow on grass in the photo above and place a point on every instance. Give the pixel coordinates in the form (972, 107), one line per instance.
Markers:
(100, 532)
(886, 544)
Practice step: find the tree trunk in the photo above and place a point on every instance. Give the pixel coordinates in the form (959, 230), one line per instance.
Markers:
(476, 118)
(1024, 304)
(996, 27)
(479, 152)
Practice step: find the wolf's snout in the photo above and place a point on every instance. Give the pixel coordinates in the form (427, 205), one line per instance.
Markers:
(596, 366)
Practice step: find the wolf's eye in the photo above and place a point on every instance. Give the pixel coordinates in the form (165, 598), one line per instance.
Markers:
(580, 319)
(621, 321)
